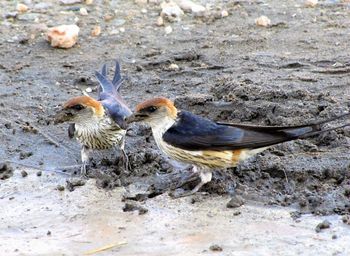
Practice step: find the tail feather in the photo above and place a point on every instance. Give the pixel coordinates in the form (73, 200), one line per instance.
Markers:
(107, 86)
(117, 79)
(313, 133)
(104, 70)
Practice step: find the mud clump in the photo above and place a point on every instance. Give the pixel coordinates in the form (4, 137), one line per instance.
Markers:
(24, 173)
(215, 248)
(346, 219)
(131, 206)
(235, 202)
(6, 171)
(75, 182)
(323, 225)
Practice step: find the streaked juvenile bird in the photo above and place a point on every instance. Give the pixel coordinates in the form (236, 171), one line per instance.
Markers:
(205, 144)
(98, 124)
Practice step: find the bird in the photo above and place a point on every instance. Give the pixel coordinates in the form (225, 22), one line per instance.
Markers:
(98, 124)
(207, 145)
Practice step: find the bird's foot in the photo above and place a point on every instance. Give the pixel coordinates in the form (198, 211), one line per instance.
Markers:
(84, 170)
(205, 177)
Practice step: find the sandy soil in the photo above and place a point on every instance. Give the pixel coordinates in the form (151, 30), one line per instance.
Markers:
(295, 71)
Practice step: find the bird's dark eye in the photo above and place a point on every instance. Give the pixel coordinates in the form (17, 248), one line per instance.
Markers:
(151, 109)
(78, 107)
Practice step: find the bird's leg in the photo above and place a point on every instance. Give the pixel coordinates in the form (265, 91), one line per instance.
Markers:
(125, 158)
(204, 175)
(85, 160)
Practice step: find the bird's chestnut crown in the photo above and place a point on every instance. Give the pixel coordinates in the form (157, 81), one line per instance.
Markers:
(154, 109)
(79, 109)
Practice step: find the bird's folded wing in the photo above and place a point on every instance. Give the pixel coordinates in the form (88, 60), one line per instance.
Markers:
(192, 132)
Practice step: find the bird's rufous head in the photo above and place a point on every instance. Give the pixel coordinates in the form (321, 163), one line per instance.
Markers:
(79, 109)
(153, 111)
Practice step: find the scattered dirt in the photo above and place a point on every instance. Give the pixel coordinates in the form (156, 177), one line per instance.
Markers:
(294, 72)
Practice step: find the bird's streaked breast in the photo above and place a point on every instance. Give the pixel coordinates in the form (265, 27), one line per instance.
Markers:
(100, 135)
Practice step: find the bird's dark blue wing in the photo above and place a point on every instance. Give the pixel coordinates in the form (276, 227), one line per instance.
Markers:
(192, 132)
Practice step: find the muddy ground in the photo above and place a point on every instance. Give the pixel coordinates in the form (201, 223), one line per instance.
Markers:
(293, 72)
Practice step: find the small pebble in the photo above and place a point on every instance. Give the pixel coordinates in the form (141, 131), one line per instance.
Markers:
(235, 202)
(24, 173)
(171, 11)
(311, 3)
(334, 236)
(122, 29)
(173, 67)
(88, 90)
(144, 11)
(39, 173)
(160, 21)
(83, 11)
(48, 233)
(192, 7)
(21, 8)
(96, 31)
(89, 2)
(108, 17)
(168, 30)
(263, 21)
(224, 13)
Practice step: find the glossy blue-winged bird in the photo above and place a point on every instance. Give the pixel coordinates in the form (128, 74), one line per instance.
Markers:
(98, 124)
(205, 144)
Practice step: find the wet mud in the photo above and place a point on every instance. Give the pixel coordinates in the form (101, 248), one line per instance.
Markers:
(294, 72)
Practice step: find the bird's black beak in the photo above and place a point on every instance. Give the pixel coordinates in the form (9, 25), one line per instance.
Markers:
(62, 116)
(136, 117)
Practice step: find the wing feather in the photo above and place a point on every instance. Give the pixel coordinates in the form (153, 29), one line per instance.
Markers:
(192, 132)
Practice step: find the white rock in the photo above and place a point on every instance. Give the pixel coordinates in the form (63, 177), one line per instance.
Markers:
(189, 6)
(64, 36)
(311, 3)
(171, 11)
(122, 29)
(173, 67)
(21, 8)
(263, 21)
(143, 10)
(168, 30)
(160, 21)
(83, 11)
(224, 13)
